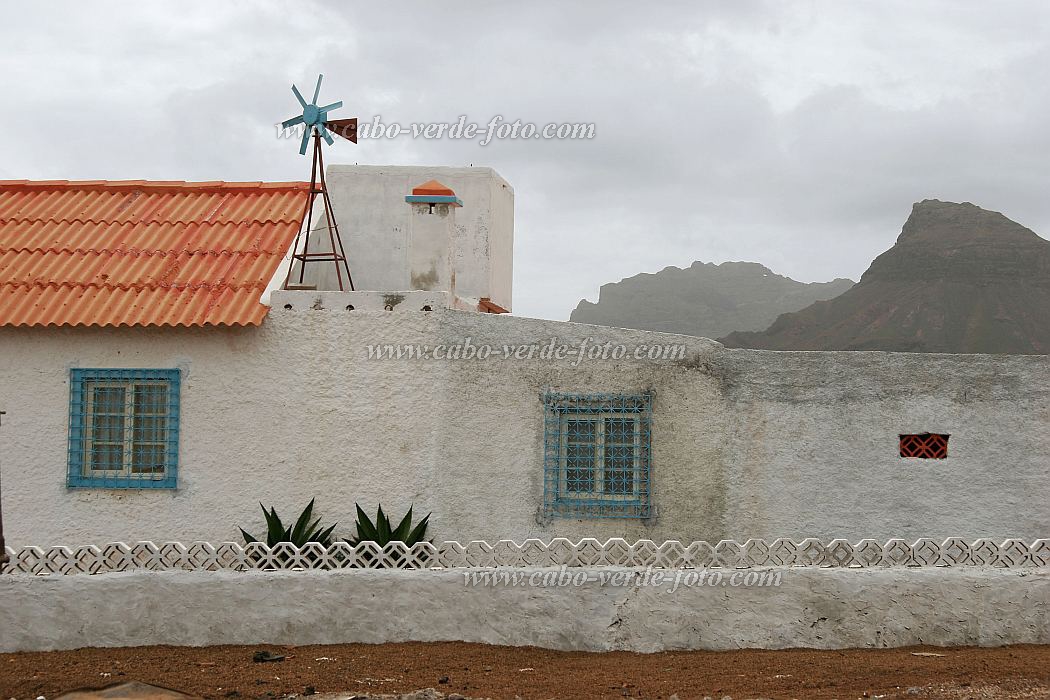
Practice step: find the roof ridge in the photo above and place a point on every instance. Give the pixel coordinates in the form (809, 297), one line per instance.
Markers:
(139, 222)
(154, 184)
(136, 252)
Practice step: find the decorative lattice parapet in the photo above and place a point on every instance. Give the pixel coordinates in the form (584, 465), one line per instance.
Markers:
(728, 554)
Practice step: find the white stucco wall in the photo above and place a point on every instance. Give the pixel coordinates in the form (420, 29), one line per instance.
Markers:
(815, 608)
(430, 253)
(375, 224)
(745, 443)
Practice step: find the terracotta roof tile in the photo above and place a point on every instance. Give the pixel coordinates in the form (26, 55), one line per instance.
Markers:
(142, 253)
(433, 187)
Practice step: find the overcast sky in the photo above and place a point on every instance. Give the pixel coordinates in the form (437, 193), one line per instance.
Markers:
(795, 134)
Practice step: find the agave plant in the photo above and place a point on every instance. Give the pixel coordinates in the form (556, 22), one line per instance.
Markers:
(300, 533)
(382, 533)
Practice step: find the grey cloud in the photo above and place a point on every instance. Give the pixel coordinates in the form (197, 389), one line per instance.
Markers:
(796, 135)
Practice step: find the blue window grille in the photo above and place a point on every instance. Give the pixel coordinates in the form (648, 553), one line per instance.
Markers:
(123, 428)
(597, 459)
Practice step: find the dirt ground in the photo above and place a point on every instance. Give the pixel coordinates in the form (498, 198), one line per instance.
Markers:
(480, 671)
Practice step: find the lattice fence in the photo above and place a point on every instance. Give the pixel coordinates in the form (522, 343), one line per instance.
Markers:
(202, 556)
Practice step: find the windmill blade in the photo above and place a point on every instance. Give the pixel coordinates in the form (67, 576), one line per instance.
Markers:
(306, 140)
(324, 134)
(346, 128)
(292, 122)
(298, 96)
(317, 90)
(329, 108)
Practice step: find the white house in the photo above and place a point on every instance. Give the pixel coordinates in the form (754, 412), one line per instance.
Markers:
(152, 395)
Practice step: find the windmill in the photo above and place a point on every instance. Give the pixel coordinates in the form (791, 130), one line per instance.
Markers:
(317, 125)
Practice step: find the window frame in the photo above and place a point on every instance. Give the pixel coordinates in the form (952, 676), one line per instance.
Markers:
(82, 384)
(562, 408)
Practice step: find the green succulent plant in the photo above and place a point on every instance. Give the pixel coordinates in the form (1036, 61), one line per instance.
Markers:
(300, 533)
(381, 532)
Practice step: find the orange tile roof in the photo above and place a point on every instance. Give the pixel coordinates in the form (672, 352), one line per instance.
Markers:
(490, 307)
(142, 253)
(435, 188)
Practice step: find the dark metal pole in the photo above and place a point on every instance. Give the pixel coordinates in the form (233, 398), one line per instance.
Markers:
(3, 551)
(310, 211)
(330, 214)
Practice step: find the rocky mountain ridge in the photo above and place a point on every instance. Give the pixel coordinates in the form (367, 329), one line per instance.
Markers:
(703, 299)
(959, 279)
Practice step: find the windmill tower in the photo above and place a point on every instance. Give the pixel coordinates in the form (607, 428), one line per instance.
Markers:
(317, 126)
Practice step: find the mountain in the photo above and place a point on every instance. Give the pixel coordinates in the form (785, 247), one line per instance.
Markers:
(704, 299)
(960, 279)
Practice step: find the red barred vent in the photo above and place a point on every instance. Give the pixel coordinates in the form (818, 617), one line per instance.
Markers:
(925, 446)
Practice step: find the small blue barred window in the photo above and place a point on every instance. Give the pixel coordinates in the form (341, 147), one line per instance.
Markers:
(123, 428)
(597, 458)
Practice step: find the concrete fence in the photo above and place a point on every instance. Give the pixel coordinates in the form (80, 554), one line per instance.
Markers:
(672, 554)
(559, 594)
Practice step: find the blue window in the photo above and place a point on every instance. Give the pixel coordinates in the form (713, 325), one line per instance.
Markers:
(596, 461)
(123, 428)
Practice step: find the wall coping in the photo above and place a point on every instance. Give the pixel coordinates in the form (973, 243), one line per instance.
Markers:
(360, 300)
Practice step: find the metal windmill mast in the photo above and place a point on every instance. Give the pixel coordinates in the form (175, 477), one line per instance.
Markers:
(3, 548)
(317, 126)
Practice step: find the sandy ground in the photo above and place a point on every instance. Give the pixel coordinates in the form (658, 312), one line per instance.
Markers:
(457, 670)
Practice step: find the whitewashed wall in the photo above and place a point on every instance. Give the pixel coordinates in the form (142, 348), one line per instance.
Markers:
(745, 443)
(813, 608)
(375, 223)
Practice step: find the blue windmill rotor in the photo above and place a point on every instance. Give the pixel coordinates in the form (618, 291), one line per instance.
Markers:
(317, 125)
(316, 120)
